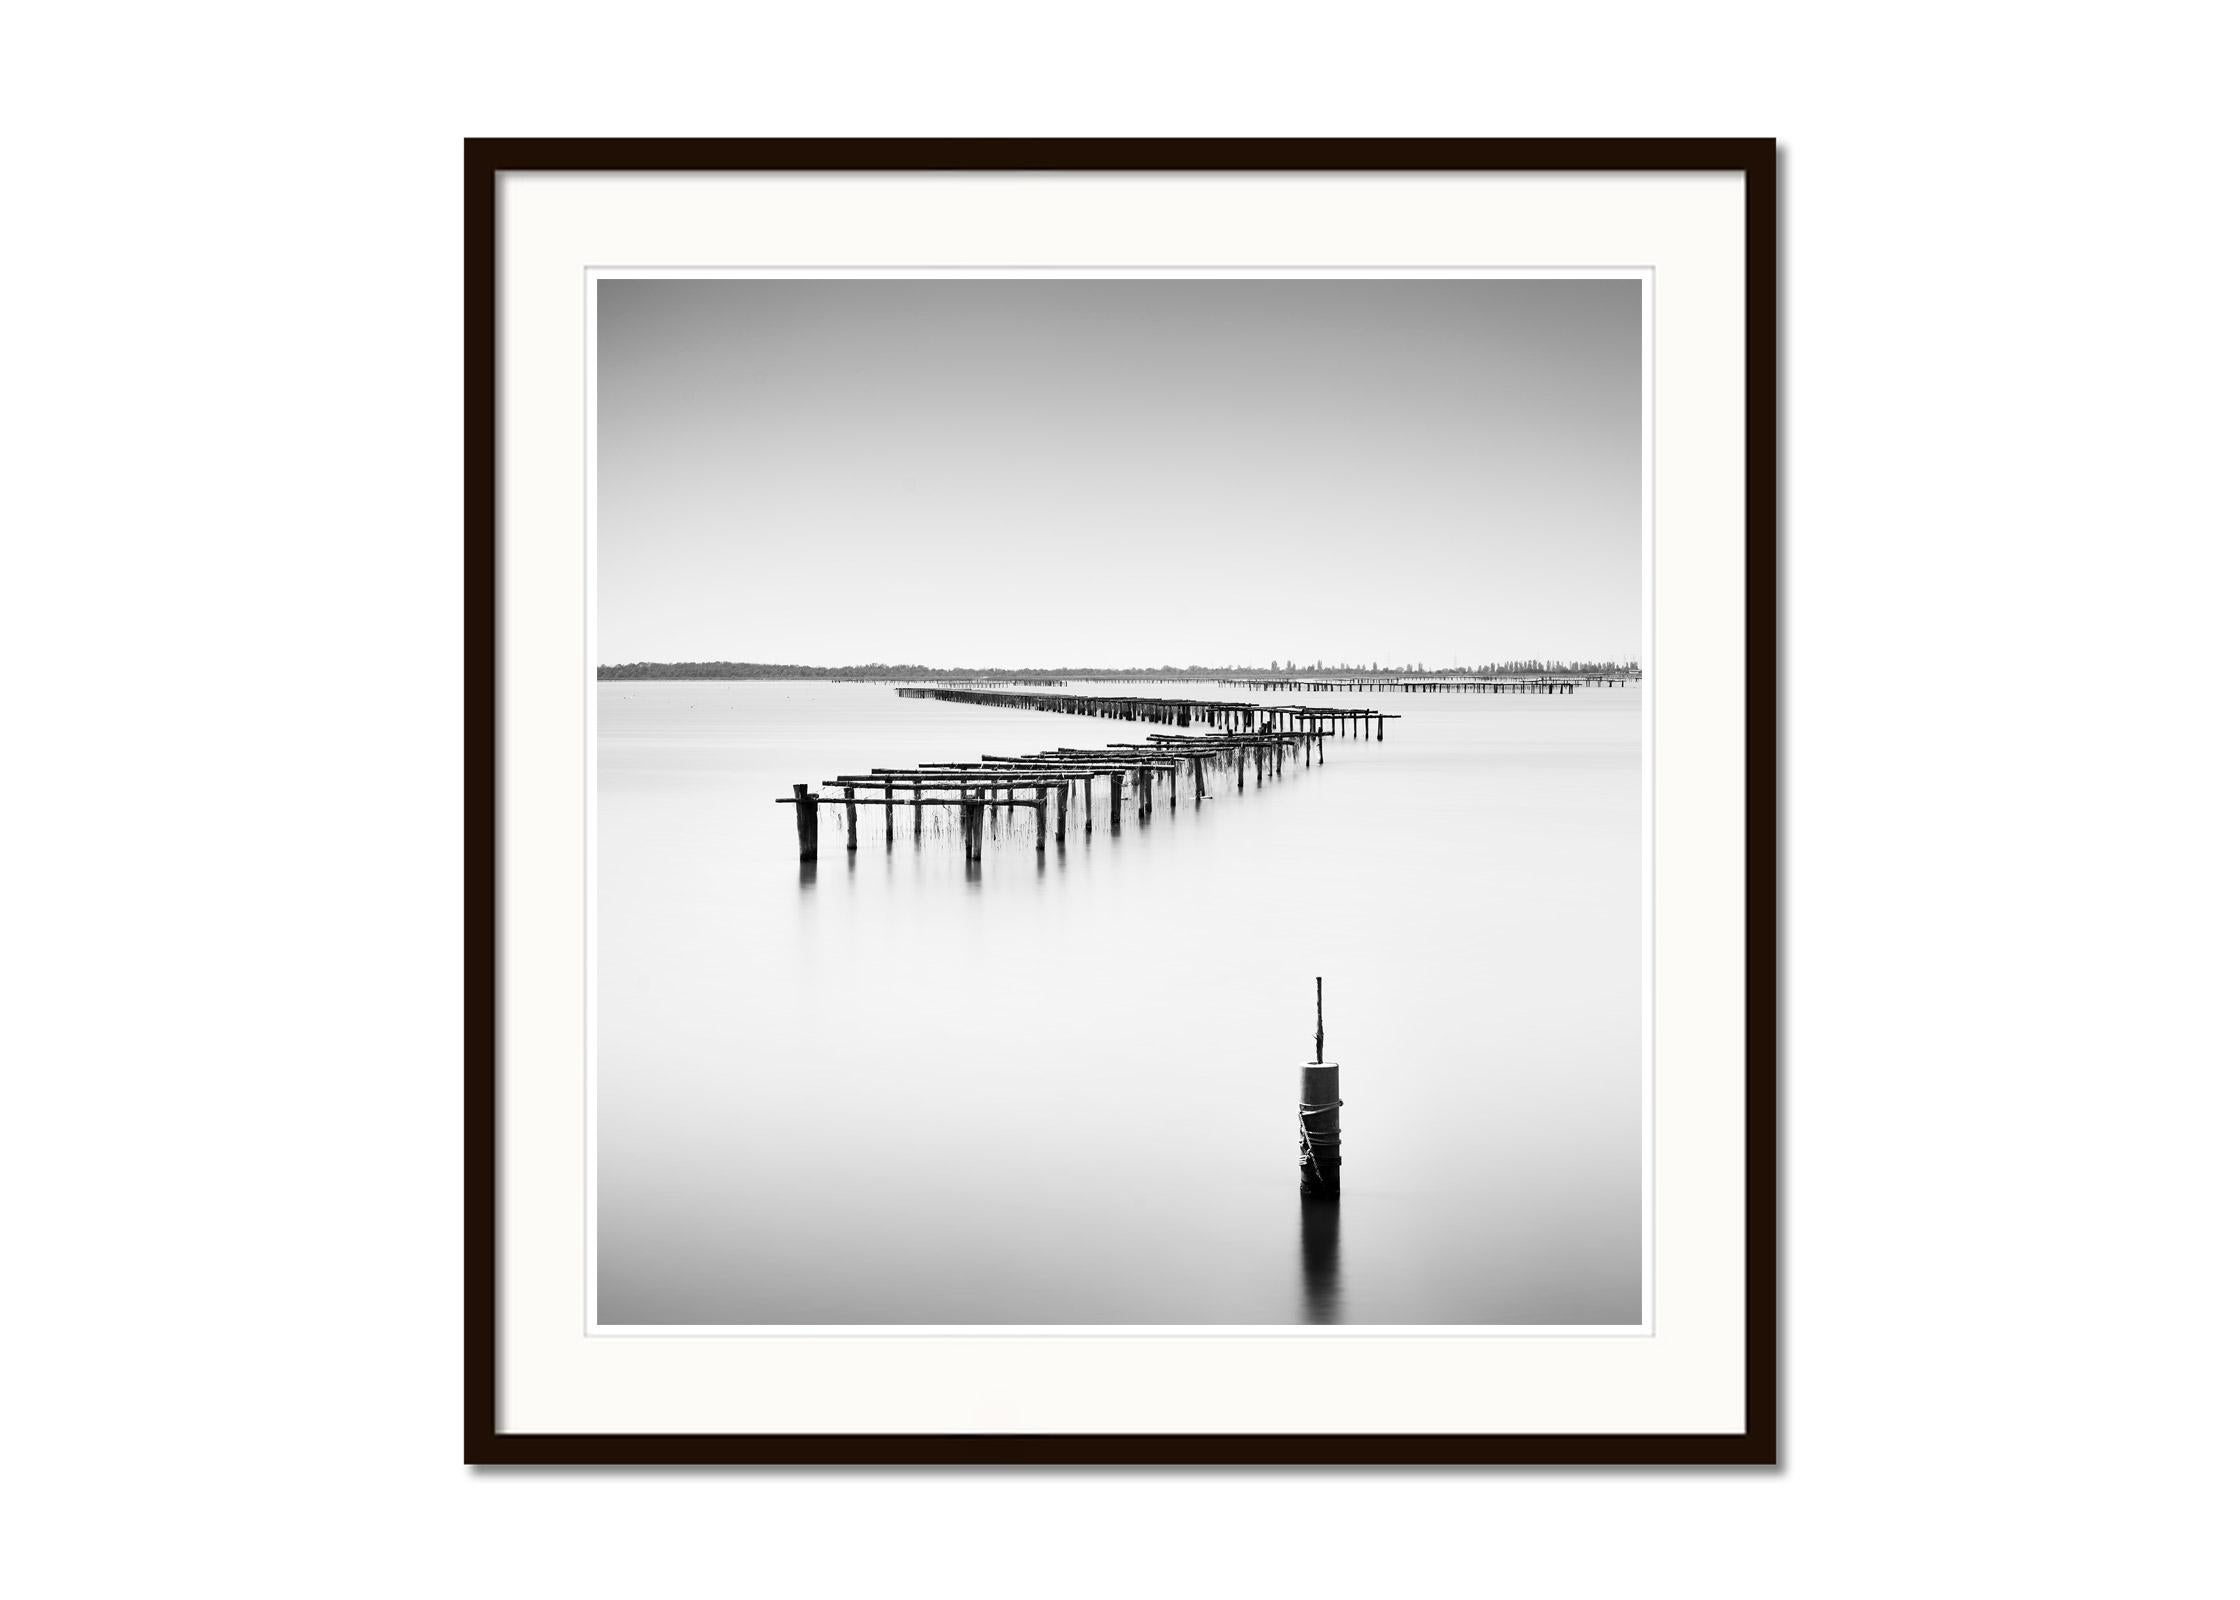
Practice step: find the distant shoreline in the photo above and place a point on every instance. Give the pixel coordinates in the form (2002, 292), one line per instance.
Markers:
(721, 671)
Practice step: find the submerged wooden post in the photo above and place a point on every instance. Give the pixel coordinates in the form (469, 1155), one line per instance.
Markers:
(1198, 777)
(1116, 777)
(1041, 820)
(890, 816)
(850, 796)
(1319, 1157)
(972, 815)
(1065, 787)
(805, 820)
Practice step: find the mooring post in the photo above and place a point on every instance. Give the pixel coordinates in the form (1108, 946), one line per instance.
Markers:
(1065, 787)
(1319, 1155)
(1116, 777)
(1041, 821)
(805, 820)
(850, 796)
(1380, 730)
(890, 817)
(972, 831)
(1198, 778)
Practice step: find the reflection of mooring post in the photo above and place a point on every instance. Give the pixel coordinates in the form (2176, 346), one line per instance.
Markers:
(805, 820)
(1319, 1159)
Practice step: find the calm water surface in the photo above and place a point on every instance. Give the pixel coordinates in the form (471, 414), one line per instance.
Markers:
(1064, 1091)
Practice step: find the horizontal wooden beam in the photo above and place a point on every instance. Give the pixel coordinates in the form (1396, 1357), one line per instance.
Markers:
(929, 800)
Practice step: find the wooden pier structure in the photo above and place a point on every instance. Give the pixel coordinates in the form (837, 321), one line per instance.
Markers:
(1246, 716)
(1045, 782)
(1563, 683)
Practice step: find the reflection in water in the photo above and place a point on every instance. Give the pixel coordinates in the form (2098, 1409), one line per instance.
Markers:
(808, 874)
(1321, 1289)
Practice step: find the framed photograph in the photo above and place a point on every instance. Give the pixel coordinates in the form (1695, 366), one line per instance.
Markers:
(1121, 801)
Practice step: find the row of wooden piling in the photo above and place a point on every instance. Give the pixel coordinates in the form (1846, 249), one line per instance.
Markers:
(1044, 783)
(1237, 716)
(1551, 684)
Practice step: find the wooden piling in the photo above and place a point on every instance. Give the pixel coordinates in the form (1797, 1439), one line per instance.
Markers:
(849, 795)
(890, 817)
(805, 820)
(1041, 822)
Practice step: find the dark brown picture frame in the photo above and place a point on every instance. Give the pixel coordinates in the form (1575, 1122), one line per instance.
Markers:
(488, 162)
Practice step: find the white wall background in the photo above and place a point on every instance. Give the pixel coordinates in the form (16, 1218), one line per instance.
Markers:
(230, 624)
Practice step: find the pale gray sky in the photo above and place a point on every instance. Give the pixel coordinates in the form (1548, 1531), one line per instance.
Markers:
(1118, 472)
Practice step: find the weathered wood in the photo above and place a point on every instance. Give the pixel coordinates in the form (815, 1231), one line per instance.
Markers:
(927, 800)
(1320, 1157)
(1267, 736)
(805, 820)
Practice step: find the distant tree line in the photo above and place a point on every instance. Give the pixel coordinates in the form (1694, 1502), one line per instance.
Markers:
(697, 670)
(640, 670)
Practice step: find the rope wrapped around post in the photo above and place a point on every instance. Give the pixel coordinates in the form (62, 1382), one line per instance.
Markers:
(1319, 1154)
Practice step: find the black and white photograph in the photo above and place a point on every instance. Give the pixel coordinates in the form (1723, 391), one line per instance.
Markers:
(1119, 801)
